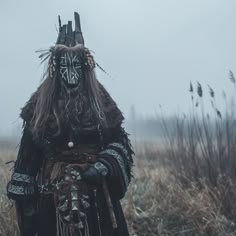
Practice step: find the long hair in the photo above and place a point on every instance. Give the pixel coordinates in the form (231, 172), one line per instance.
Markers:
(46, 101)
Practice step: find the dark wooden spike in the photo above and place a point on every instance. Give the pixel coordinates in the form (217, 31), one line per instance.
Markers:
(70, 36)
(64, 29)
(77, 22)
(59, 21)
(78, 33)
(62, 35)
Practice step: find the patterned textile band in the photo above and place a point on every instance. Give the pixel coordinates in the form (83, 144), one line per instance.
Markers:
(119, 146)
(127, 156)
(21, 184)
(114, 154)
(23, 178)
(14, 189)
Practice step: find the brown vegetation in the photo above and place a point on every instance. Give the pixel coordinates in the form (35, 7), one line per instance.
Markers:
(187, 188)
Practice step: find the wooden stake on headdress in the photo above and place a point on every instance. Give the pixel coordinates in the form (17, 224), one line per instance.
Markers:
(71, 38)
(66, 34)
(78, 33)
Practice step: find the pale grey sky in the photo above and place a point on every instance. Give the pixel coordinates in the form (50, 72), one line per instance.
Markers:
(151, 48)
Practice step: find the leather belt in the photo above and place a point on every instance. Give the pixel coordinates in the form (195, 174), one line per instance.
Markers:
(74, 158)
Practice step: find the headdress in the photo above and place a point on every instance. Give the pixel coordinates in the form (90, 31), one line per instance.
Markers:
(68, 39)
(85, 109)
(66, 34)
(72, 38)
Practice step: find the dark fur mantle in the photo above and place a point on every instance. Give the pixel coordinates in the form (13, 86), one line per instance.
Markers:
(87, 122)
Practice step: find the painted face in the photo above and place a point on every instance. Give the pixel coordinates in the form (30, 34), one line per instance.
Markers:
(71, 68)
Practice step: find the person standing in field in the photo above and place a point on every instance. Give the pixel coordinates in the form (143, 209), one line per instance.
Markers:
(75, 159)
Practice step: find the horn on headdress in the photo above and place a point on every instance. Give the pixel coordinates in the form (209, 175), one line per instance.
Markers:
(66, 34)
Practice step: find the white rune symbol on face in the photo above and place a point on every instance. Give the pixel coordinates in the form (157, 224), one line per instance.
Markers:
(71, 68)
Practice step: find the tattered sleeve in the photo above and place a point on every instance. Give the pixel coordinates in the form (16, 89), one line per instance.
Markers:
(22, 184)
(117, 156)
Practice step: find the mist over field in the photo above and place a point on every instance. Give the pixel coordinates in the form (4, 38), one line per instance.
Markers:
(152, 50)
(171, 67)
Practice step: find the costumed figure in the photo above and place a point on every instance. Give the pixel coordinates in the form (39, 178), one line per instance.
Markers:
(75, 159)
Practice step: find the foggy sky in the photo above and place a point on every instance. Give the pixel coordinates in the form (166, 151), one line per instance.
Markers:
(151, 48)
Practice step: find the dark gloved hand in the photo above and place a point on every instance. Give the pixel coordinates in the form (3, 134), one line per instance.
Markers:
(95, 173)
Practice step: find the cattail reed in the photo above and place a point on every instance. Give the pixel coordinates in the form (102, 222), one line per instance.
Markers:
(231, 77)
(211, 91)
(199, 90)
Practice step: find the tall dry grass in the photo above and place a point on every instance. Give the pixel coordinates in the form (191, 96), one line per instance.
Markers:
(189, 188)
(186, 187)
(8, 224)
(161, 203)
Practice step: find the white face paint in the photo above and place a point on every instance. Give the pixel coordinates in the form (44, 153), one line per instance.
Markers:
(71, 68)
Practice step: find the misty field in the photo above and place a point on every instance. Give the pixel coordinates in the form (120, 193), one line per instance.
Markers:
(184, 183)
(159, 201)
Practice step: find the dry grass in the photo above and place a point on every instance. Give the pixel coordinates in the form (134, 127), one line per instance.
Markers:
(8, 225)
(186, 187)
(189, 187)
(157, 203)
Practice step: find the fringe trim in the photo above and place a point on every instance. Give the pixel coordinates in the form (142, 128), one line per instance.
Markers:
(68, 230)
